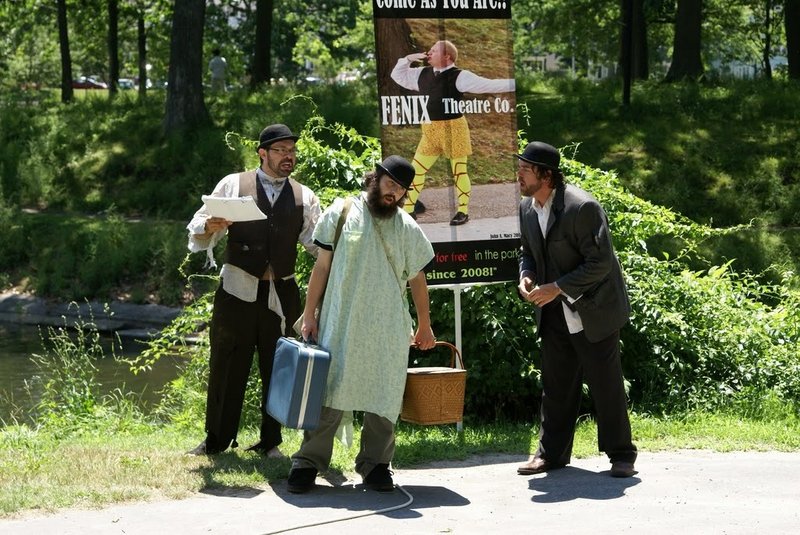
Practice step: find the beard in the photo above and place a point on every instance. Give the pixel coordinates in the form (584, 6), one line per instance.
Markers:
(529, 190)
(378, 204)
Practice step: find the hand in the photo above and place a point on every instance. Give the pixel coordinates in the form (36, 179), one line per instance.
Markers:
(215, 224)
(424, 338)
(525, 287)
(417, 56)
(541, 295)
(310, 328)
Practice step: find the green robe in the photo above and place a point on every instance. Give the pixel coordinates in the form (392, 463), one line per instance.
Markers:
(365, 323)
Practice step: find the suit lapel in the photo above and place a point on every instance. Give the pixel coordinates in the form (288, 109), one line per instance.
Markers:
(555, 211)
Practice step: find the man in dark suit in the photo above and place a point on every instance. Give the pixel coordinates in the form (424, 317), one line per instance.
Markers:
(569, 271)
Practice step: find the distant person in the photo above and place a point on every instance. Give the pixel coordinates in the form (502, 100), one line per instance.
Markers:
(218, 67)
(258, 299)
(364, 321)
(568, 270)
(448, 132)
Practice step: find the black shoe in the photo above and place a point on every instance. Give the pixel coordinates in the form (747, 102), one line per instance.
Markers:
(622, 469)
(203, 449)
(459, 219)
(301, 480)
(380, 479)
(419, 207)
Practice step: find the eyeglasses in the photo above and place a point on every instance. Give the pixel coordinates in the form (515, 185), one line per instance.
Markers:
(283, 152)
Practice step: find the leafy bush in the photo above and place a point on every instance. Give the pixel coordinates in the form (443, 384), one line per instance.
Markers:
(696, 338)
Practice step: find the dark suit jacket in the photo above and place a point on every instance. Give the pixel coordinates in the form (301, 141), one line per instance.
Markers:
(578, 255)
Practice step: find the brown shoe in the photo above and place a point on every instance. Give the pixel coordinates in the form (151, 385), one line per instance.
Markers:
(536, 465)
(622, 469)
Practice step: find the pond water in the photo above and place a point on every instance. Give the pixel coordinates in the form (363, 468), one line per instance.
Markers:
(19, 391)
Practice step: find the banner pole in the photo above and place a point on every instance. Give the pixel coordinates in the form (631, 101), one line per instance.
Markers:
(457, 306)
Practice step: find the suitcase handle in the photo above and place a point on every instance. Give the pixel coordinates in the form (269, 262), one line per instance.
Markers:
(454, 353)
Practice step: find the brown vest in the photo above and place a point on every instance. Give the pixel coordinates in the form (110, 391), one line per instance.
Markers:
(254, 246)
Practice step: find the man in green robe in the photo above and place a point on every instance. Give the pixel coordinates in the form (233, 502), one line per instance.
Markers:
(364, 321)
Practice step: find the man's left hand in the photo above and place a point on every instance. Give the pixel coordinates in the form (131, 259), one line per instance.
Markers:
(541, 295)
(424, 338)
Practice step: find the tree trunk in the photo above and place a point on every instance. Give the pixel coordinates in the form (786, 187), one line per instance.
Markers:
(141, 38)
(113, 47)
(791, 14)
(185, 107)
(766, 52)
(640, 63)
(393, 40)
(686, 61)
(261, 72)
(626, 49)
(66, 60)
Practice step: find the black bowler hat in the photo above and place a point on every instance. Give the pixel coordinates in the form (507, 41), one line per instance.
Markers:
(399, 169)
(541, 154)
(273, 133)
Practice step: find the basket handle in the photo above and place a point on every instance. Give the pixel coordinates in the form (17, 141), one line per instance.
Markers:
(454, 353)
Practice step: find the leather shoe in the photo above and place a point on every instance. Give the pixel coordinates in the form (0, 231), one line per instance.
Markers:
(459, 219)
(536, 465)
(622, 469)
(301, 480)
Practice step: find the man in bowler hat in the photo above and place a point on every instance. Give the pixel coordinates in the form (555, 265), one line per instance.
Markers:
(364, 321)
(569, 272)
(258, 299)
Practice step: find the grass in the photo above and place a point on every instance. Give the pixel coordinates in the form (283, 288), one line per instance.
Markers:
(44, 471)
(724, 154)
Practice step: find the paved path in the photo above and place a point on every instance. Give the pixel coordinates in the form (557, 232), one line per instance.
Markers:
(689, 492)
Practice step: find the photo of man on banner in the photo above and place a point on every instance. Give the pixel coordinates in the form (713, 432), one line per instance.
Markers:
(447, 131)
(447, 103)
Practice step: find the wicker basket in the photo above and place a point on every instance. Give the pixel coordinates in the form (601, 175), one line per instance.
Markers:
(435, 395)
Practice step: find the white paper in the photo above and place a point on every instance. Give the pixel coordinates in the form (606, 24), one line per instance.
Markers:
(233, 208)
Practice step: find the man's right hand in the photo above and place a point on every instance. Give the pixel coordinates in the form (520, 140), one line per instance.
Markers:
(526, 286)
(215, 224)
(310, 327)
(417, 56)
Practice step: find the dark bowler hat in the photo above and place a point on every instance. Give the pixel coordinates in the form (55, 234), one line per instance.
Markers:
(541, 154)
(273, 133)
(399, 169)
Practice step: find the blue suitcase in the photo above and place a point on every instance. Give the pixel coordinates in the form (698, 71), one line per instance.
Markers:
(297, 386)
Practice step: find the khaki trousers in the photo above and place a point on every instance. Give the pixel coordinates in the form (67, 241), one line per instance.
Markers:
(377, 442)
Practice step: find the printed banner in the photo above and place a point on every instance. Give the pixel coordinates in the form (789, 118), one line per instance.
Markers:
(447, 103)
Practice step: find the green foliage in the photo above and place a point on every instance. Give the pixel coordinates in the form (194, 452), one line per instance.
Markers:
(726, 154)
(70, 402)
(73, 257)
(697, 338)
(332, 166)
